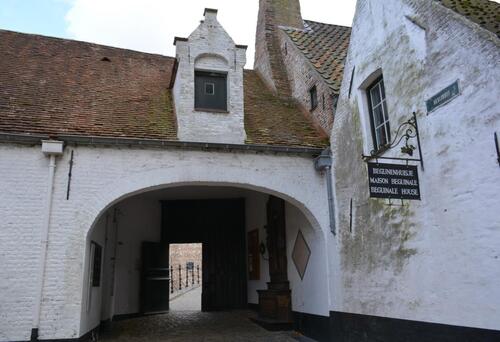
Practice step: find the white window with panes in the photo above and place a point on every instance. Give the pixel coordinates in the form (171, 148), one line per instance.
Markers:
(379, 117)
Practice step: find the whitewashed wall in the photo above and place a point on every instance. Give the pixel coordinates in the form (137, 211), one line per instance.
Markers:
(438, 259)
(101, 178)
(209, 48)
(93, 296)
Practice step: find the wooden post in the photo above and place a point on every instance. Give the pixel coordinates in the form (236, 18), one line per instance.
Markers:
(198, 271)
(187, 276)
(275, 302)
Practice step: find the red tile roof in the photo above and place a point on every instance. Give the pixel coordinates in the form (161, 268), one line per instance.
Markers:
(57, 86)
(271, 120)
(51, 86)
(325, 46)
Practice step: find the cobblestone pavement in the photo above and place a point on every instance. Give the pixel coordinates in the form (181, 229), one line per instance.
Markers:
(184, 326)
(189, 301)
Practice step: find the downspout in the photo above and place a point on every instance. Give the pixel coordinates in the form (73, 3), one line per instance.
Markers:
(324, 163)
(52, 149)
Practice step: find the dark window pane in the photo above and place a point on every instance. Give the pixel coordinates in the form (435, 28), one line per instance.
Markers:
(96, 267)
(375, 95)
(210, 91)
(382, 88)
(378, 116)
(314, 97)
(381, 136)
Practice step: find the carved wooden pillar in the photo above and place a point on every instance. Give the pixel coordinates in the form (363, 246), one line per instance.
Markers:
(275, 304)
(276, 239)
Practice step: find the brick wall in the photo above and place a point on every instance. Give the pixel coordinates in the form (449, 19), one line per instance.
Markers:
(283, 67)
(302, 77)
(181, 254)
(268, 58)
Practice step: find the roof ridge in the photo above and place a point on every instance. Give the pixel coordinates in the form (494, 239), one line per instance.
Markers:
(35, 35)
(319, 22)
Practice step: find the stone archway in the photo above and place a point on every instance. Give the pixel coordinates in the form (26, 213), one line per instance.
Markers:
(110, 192)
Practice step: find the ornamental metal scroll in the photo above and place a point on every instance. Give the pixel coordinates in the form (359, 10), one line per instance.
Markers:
(406, 132)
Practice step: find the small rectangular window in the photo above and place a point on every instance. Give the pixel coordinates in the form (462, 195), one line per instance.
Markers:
(210, 91)
(96, 264)
(379, 118)
(313, 93)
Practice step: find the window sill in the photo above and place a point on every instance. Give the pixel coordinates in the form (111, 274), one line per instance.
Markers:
(210, 110)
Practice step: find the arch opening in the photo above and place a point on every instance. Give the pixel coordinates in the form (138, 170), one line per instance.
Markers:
(151, 215)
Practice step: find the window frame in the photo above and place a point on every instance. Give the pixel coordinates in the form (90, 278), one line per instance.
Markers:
(378, 146)
(215, 74)
(313, 99)
(96, 264)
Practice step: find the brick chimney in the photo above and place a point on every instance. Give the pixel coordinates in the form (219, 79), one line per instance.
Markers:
(268, 55)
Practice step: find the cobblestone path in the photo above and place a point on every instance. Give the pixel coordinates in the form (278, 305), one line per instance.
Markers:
(231, 326)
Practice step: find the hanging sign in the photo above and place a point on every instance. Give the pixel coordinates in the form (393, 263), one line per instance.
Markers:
(393, 181)
(443, 97)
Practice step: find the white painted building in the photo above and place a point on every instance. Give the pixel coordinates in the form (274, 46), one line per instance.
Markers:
(437, 259)
(95, 142)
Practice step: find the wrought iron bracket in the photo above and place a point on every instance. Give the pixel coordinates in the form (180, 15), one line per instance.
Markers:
(407, 130)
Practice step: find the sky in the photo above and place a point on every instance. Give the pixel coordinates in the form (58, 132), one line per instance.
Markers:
(150, 25)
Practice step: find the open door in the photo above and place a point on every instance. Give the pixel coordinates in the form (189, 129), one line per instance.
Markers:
(155, 278)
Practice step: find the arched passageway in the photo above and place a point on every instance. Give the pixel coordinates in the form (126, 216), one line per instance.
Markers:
(222, 217)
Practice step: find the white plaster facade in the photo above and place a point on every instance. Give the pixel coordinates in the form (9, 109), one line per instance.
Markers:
(209, 48)
(102, 178)
(434, 260)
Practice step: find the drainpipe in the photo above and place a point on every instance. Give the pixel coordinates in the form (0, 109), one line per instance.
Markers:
(52, 149)
(324, 163)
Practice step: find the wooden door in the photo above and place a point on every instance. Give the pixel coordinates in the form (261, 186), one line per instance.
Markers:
(220, 226)
(155, 277)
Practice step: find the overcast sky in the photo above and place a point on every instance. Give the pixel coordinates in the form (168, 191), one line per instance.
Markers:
(150, 25)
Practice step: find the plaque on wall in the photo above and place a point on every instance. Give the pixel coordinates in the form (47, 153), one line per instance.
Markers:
(443, 97)
(393, 181)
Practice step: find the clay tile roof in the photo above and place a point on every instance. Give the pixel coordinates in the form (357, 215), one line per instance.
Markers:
(59, 86)
(325, 46)
(485, 13)
(64, 87)
(270, 120)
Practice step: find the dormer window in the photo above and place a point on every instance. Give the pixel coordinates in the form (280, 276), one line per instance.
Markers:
(210, 91)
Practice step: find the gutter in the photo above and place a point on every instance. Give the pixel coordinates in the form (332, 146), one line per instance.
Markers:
(324, 163)
(36, 139)
(52, 149)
